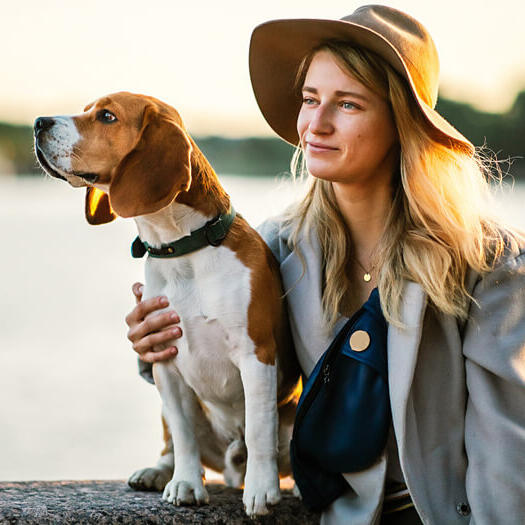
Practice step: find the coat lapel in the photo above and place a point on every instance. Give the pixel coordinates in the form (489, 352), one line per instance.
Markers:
(403, 345)
(303, 290)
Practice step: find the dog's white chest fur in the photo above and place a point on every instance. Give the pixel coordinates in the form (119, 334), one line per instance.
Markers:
(210, 290)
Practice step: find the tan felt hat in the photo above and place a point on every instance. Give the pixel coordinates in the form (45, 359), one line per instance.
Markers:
(278, 46)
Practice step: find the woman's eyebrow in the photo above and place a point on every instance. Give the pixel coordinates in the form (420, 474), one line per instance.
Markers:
(338, 93)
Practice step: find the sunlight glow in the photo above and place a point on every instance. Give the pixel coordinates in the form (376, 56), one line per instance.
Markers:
(57, 56)
(95, 197)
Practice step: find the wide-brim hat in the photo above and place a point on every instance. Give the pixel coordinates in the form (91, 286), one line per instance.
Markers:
(277, 48)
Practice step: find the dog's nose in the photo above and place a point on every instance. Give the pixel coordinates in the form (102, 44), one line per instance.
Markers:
(43, 123)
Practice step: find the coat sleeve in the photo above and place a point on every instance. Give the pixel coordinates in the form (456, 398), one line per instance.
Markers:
(494, 350)
(146, 371)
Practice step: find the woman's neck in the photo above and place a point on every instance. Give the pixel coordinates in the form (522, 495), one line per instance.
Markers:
(364, 208)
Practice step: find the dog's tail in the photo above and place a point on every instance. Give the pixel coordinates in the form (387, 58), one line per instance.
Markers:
(235, 463)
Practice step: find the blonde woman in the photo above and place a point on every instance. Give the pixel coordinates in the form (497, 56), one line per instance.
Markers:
(397, 203)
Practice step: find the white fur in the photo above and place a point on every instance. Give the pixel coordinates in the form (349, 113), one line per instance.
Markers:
(58, 148)
(216, 366)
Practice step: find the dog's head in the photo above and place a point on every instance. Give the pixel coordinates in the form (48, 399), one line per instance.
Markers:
(131, 151)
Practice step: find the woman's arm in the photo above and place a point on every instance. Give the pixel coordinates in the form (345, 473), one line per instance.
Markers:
(494, 348)
(146, 332)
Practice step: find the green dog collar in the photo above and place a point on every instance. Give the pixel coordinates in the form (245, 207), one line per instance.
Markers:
(211, 234)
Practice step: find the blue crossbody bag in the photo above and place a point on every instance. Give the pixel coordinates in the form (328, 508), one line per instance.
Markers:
(343, 416)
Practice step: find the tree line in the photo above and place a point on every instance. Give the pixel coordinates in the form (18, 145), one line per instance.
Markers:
(501, 133)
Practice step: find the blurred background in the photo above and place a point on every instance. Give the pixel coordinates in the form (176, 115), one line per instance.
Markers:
(73, 406)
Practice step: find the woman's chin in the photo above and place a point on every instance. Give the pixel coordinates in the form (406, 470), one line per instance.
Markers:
(323, 174)
(325, 169)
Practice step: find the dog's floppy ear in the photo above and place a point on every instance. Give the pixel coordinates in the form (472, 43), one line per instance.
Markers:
(155, 171)
(98, 210)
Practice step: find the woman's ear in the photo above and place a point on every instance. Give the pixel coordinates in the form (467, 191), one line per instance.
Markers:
(97, 208)
(155, 171)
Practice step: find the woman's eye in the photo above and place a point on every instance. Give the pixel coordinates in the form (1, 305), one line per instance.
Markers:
(106, 116)
(348, 105)
(308, 101)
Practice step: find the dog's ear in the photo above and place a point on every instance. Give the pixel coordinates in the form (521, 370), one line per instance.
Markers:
(98, 210)
(155, 171)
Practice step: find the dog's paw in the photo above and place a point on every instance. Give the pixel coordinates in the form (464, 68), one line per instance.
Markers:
(260, 492)
(153, 478)
(184, 492)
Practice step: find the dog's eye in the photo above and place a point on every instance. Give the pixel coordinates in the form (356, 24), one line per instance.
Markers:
(106, 116)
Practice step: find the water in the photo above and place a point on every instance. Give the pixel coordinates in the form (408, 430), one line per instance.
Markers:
(73, 405)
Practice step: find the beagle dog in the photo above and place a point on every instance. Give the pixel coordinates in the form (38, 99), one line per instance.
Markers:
(229, 396)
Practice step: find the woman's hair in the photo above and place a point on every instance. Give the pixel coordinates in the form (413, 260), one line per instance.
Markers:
(437, 227)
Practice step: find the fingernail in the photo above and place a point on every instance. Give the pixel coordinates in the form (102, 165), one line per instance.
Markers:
(175, 331)
(163, 301)
(173, 350)
(173, 316)
(141, 290)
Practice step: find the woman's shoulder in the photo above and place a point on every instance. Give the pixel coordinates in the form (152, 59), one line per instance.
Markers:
(495, 331)
(276, 232)
(511, 256)
(507, 268)
(270, 231)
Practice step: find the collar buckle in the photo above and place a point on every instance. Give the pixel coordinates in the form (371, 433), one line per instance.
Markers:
(215, 231)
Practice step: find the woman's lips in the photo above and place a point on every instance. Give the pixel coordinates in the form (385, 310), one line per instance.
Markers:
(319, 148)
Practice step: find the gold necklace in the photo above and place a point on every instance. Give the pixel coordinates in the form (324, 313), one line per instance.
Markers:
(367, 277)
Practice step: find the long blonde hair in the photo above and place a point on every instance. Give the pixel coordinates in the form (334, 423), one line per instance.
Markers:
(437, 227)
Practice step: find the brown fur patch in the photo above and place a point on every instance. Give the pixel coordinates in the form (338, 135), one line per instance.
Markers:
(267, 320)
(205, 193)
(151, 175)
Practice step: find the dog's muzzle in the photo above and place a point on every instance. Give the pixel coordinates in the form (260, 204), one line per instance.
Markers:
(43, 124)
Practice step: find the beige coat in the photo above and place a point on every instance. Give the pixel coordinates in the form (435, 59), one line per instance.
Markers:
(458, 402)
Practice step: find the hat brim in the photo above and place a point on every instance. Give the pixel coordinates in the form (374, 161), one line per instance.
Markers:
(276, 50)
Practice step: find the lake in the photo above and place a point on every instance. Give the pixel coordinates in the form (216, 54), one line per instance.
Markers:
(73, 404)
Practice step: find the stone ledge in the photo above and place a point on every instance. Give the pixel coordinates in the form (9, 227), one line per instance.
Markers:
(104, 502)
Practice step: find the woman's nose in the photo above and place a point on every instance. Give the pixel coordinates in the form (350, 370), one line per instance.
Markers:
(321, 121)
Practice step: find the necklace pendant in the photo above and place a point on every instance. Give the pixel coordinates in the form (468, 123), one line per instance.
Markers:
(367, 277)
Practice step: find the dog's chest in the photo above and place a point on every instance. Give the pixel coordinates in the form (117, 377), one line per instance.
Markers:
(210, 290)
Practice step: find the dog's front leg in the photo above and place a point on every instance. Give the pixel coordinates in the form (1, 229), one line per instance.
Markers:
(261, 484)
(179, 407)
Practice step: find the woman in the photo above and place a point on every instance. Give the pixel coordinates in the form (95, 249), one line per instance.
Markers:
(398, 202)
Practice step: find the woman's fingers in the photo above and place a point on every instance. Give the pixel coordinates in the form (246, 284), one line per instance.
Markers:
(144, 308)
(143, 345)
(154, 323)
(147, 331)
(137, 289)
(154, 357)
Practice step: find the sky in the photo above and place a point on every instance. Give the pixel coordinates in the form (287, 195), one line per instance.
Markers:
(59, 55)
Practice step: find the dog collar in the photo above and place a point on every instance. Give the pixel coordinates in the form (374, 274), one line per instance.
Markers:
(211, 234)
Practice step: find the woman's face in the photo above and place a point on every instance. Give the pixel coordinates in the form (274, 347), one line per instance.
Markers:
(347, 131)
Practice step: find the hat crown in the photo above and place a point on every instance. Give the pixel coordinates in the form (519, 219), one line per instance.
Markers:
(411, 42)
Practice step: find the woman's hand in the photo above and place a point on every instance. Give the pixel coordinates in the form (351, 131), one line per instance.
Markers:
(147, 332)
